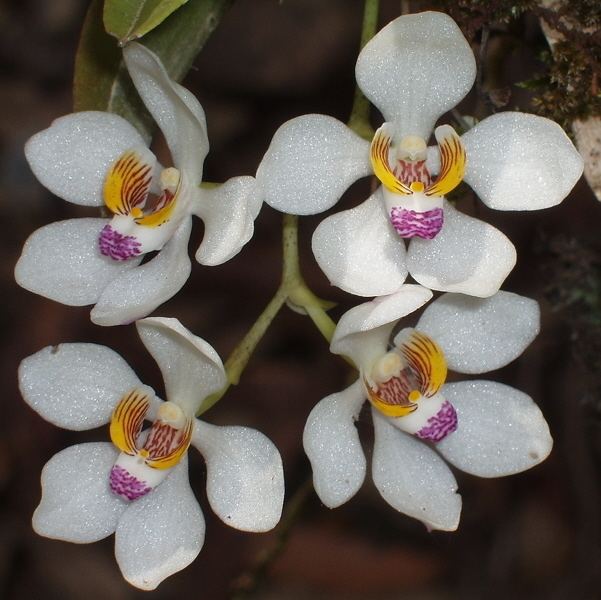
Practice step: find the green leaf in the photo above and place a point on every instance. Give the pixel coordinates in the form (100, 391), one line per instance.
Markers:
(101, 81)
(131, 19)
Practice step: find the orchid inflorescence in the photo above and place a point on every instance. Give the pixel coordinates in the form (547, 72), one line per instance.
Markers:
(414, 70)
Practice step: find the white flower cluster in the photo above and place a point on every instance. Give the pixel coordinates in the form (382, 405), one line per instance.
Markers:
(414, 70)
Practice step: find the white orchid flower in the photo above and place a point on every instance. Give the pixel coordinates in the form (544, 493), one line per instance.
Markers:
(414, 70)
(481, 427)
(137, 487)
(95, 159)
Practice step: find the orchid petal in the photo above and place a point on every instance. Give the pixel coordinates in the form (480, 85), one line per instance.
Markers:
(331, 442)
(412, 478)
(500, 430)
(75, 386)
(177, 112)
(77, 504)
(415, 69)
(518, 161)
(362, 332)
(72, 157)
(310, 163)
(228, 213)
(479, 335)
(468, 256)
(62, 261)
(245, 477)
(359, 251)
(191, 368)
(160, 533)
(138, 292)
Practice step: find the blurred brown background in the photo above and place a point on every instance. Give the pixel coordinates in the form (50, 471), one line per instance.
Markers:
(534, 535)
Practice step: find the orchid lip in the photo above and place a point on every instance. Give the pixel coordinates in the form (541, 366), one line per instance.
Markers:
(117, 246)
(126, 485)
(404, 385)
(142, 465)
(139, 216)
(412, 196)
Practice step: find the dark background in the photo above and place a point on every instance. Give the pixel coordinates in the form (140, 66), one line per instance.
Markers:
(534, 535)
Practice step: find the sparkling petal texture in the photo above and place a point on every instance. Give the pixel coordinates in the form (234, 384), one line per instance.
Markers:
(177, 112)
(310, 163)
(245, 477)
(412, 478)
(75, 386)
(72, 157)
(138, 292)
(62, 261)
(362, 332)
(501, 431)
(415, 69)
(77, 505)
(359, 251)
(468, 256)
(332, 444)
(479, 335)
(228, 213)
(517, 161)
(191, 368)
(161, 533)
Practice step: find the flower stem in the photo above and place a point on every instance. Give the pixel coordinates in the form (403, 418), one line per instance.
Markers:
(359, 119)
(249, 581)
(292, 289)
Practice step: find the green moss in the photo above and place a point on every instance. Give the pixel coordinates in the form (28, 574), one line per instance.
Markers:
(472, 15)
(569, 89)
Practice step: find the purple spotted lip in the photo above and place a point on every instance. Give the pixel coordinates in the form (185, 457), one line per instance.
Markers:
(412, 223)
(118, 246)
(124, 484)
(440, 425)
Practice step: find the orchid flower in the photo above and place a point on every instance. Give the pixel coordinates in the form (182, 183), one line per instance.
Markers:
(481, 427)
(414, 70)
(99, 159)
(137, 486)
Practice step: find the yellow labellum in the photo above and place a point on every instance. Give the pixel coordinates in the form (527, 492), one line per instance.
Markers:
(127, 184)
(378, 155)
(127, 420)
(452, 162)
(390, 410)
(427, 360)
(174, 456)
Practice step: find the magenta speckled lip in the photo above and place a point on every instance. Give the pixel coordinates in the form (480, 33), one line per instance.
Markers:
(124, 484)
(411, 223)
(118, 246)
(440, 425)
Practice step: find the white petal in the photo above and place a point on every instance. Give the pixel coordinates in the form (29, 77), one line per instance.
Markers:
(72, 157)
(61, 261)
(228, 213)
(359, 251)
(362, 332)
(191, 368)
(468, 256)
(311, 162)
(245, 478)
(415, 69)
(517, 161)
(77, 504)
(138, 292)
(412, 478)
(177, 112)
(500, 430)
(160, 533)
(75, 386)
(332, 444)
(479, 335)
